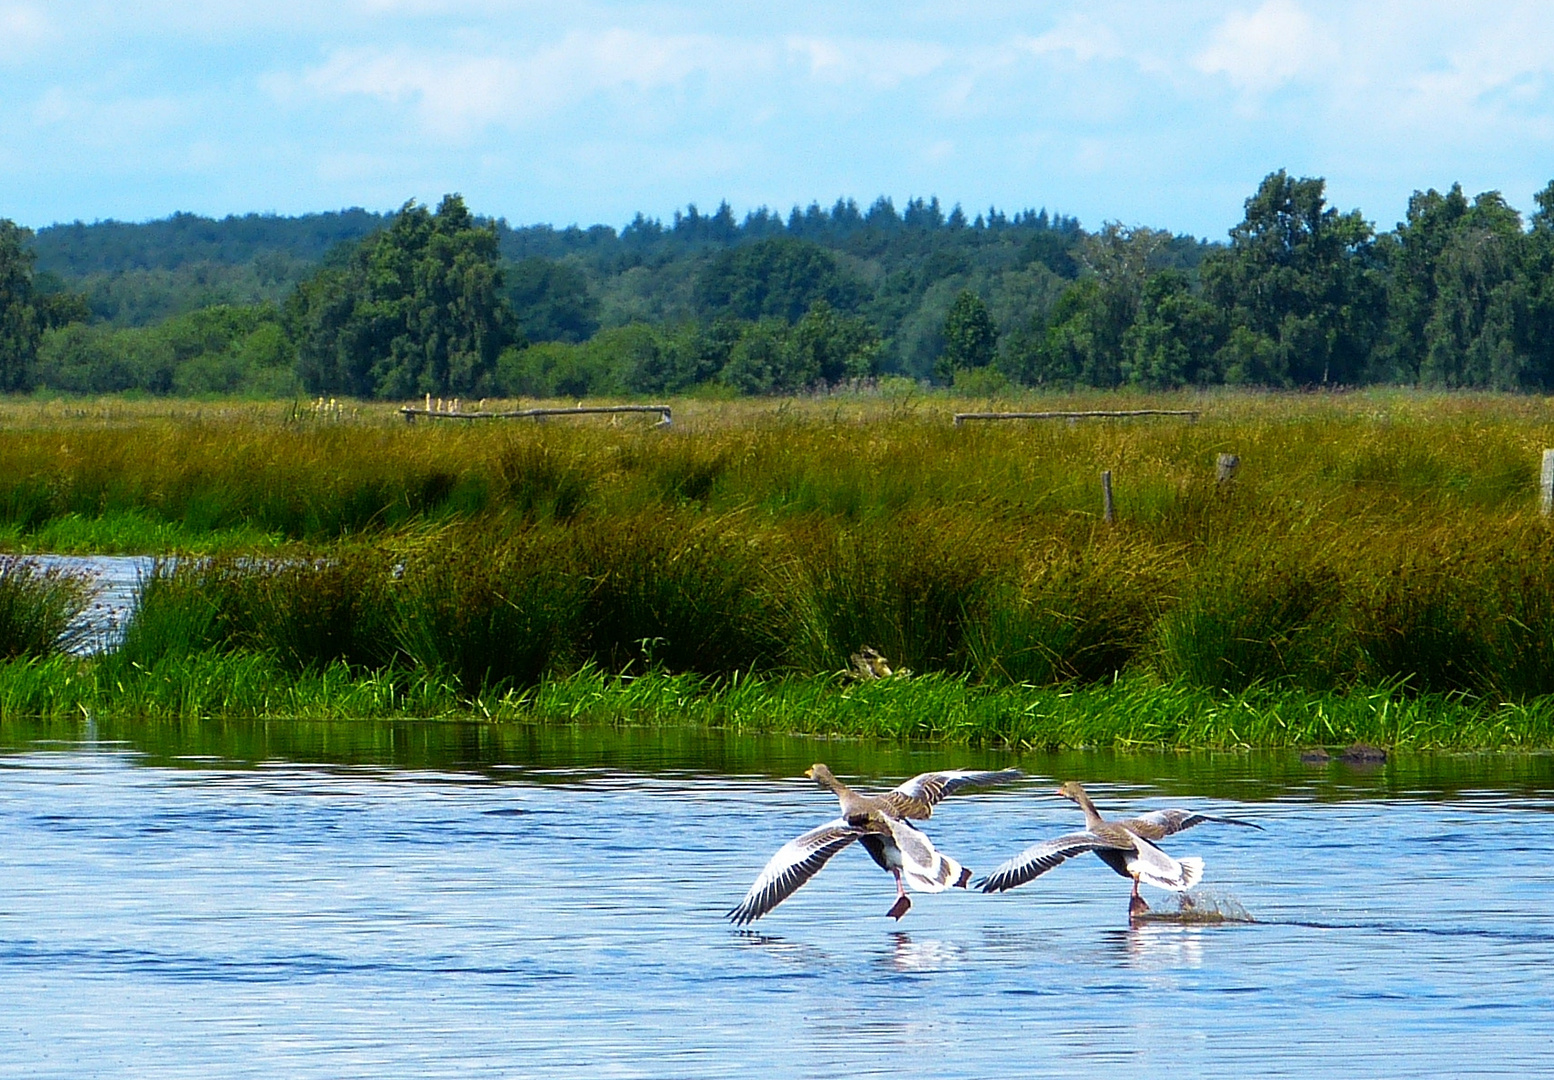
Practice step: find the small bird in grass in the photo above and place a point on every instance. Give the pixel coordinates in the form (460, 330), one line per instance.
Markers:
(1127, 846)
(869, 663)
(880, 824)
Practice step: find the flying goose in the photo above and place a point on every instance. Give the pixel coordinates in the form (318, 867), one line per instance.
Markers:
(1127, 846)
(880, 823)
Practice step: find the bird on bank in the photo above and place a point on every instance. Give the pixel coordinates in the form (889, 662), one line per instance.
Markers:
(1127, 846)
(881, 823)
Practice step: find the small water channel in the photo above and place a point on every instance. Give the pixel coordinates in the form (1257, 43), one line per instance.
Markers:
(114, 584)
(415, 899)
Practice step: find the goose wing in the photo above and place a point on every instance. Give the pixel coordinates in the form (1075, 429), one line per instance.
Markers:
(1158, 824)
(918, 796)
(795, 863)
(1039, 858)
(1161, 870)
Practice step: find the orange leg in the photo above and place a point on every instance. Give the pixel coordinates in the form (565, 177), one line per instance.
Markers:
(899, 908)
(1136, 905)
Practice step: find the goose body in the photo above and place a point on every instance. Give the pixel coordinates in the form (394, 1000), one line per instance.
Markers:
(1127, 846)
(882, 824)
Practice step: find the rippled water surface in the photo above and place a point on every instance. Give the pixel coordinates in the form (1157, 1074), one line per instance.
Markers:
(440, 900)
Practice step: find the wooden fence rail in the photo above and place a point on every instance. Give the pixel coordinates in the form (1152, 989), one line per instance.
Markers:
(410, 413)
(963, 416)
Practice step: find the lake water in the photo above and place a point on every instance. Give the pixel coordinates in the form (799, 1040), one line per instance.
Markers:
(425, 900)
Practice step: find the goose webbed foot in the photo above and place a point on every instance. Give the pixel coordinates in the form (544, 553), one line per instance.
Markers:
(965, 876)
(1136, 904)
(900, 907)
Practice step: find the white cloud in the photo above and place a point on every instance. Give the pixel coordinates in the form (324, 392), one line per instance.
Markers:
(22, 26)
(1081, 38)
(883, 65)
(1267, 48)
(457, 94)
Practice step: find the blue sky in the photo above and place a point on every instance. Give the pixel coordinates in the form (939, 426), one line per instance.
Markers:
(1160, 114)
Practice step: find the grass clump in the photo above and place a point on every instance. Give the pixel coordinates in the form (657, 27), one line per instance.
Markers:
(483, 612)
(41, 609)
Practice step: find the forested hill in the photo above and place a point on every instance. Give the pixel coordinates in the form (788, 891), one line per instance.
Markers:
(135, 274)
(1461, 293)
(105, 247)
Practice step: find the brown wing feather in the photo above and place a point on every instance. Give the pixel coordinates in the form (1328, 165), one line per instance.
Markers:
(1158, 824)
(918, 796)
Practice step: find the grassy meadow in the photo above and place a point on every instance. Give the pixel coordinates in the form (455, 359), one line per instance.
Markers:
(1377, 571)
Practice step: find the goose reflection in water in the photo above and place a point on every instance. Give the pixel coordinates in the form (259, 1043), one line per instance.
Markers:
(907, 955)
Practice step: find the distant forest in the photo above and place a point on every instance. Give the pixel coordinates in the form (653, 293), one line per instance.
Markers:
(443, 302)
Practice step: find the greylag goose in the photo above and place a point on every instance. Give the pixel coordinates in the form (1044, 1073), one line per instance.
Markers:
(880, 823)
(1127, 846)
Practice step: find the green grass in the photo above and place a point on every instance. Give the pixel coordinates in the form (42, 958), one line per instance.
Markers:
(1128, 715)
(1378, 539)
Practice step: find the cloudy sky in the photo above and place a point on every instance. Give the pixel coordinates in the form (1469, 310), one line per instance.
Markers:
(1157, 113)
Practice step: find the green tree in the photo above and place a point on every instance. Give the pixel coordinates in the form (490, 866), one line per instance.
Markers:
(417, 308)
(21, 326)
(1538, 273)
(970, 338)
(834, 346)
(1477, 326)
(552, 301)
(779, 277)
(1300, 279)
(1411, 253)
(1175, 338)
(763, 361)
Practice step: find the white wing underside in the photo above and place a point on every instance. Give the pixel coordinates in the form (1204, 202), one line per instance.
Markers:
(1039, 858)
(1155, 867)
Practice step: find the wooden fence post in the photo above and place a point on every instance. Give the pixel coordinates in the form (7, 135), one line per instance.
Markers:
(1546, 484)
(1110, 513)
(1225, 469)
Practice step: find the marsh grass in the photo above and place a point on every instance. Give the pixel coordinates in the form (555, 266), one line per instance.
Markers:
(1372, 539)
(482, 612)
(41, 609)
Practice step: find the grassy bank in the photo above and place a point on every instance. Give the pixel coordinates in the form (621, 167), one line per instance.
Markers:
(1132, 714)
(1370, 540)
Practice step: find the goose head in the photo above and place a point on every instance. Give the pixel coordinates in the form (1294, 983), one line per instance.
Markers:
(1073, 792)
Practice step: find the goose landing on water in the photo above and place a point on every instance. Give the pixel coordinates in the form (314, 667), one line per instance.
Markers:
(1127, 846)
(880, 824)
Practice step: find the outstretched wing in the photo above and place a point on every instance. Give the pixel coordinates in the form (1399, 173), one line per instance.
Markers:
(918, 796)
(1039, 858)
(1158, 824)
(795, 863)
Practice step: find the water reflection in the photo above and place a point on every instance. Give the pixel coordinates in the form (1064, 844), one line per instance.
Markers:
(566, 754)
(928, 955)
(1151, 946)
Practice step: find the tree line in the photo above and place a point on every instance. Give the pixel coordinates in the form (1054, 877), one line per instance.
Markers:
(1459, 294)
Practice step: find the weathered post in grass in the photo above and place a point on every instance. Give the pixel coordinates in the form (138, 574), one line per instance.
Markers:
(1546, 484)
(1225, 469)
(1110, 512)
